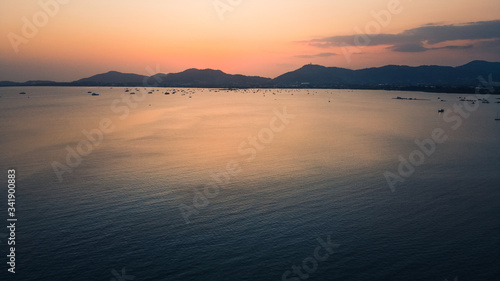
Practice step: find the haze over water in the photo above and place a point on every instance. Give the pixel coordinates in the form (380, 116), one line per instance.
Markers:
(322, 175)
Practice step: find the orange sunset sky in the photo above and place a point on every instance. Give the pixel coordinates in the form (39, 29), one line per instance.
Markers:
(79, 38)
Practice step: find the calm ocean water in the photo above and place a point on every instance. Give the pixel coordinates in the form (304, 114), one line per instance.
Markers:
(292, 168)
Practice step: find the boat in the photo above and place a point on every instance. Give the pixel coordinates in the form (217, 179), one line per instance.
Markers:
(132, 93)
(441, 110)
(498, 118)
(22, 93)
(94, 94)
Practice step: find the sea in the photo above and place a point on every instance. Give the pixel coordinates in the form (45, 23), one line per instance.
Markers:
(248, 184)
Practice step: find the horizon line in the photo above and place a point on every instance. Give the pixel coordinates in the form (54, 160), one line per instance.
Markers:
(201, 69)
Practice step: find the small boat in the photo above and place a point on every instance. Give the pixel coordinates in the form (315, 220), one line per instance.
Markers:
(94, 94)
(132, 93)
(498, 118)
(22, 93)
(441, 110)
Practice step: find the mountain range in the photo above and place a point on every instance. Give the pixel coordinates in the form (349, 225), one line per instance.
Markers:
(428, 78)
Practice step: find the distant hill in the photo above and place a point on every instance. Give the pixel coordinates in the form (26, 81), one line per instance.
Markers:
(188, 78)
(481, 66)
(315, 75)
(395, 75)
(207, 78)
(39, 82)
(111, 78)
(10, 84)
(390, 77)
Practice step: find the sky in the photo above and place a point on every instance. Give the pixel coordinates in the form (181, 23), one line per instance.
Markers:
(65, 40)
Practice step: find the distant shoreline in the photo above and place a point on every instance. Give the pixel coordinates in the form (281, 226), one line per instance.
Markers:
(426, 78)
(426, 89)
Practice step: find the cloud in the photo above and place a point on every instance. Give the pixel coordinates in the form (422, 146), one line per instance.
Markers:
(410, 48)
(452, 47)
(320, 55)
(491, 43)
(416, 39)
(434, 23)
(419, 47)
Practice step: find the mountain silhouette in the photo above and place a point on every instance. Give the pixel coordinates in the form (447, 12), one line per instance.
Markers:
(431, 78)
(111, 78)
(207, 78)
(395, 75)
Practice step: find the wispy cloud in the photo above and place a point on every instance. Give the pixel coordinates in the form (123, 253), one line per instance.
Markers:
(491, 44)
(418, 39)
(320, 55)
(419, 47)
